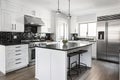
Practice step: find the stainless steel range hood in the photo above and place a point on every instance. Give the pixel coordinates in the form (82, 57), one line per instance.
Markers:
(33, 21)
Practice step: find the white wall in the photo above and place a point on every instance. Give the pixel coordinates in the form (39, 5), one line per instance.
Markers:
(108, 11)
(86, 18)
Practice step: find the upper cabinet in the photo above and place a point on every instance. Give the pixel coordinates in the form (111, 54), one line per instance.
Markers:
(74, 29)
(19, 22)
(12, 21)
(12, 18)
(13, 12)
(6, 22)
(0, 20)
(74, 25)
(10, 6)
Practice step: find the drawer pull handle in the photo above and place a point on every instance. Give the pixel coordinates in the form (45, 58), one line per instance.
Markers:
(18, 54)
(18, 46)
(18, 62)
(17, 50)
(18, 59)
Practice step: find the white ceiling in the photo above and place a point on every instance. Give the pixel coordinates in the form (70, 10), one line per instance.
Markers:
(77, 6)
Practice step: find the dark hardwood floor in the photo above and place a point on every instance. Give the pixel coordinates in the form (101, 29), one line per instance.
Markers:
(22, 74)
(100, 71)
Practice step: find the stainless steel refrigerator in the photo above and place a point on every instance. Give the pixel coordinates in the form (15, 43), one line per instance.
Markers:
(108, 41)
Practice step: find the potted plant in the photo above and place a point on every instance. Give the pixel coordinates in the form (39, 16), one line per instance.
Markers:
(64, 41)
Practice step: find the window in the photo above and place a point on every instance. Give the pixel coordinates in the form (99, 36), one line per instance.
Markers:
(83, 30)
(87, 30)
(62, 30)
(91, 29)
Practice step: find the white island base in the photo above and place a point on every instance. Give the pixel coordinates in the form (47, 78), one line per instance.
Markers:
(52, 64)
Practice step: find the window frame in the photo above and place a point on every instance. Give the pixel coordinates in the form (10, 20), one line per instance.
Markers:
(87, 29)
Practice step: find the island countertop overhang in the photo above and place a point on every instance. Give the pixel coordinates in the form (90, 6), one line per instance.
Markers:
(67, 47)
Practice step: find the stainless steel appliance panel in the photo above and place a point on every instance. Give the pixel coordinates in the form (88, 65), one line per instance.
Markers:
(113, 40)
(101, 40)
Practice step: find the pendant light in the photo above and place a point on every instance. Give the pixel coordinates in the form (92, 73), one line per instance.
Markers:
(58, 10)
(69, 15)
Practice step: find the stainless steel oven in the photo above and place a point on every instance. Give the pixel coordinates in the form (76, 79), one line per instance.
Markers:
(31, 56)
(32, 53)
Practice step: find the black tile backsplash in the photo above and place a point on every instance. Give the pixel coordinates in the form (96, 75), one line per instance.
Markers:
(10, 37)
(17, 37)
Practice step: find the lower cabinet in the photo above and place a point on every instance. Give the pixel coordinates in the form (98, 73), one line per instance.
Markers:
(50, 64)
(16, 57)
(119, 66)
(94, 50)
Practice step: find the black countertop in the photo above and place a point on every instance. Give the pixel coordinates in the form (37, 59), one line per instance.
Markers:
(68, 46)
(10, 44)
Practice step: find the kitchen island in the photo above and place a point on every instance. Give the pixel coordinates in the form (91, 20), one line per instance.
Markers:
(52, 60)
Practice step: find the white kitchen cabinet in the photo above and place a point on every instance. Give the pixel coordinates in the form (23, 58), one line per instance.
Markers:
(94, 50)
(12, 16)
(45, 67)
(74, 25)
(0, 19)
(15, 57)
(19, 22)
(12, 21)
(10, 6)
(47, 26)
(87, 56)
(53, 66)
(74, 29)
(94, 47)
(6, 22)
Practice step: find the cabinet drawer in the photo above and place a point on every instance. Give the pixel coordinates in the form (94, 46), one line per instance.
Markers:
(13, 66)
(16, 55)
(16, 48)
(14, 63)
(16, 59)
(22, 47)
